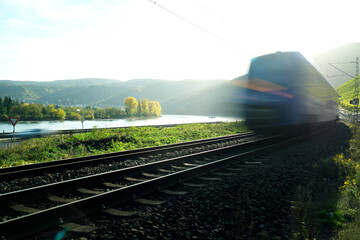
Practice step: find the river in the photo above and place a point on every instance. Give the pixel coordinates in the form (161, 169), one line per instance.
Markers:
(67, 124)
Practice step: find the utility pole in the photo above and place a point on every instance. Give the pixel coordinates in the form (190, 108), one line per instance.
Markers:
(355, 100)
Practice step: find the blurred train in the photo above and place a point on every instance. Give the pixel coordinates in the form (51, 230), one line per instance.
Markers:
(284, 90)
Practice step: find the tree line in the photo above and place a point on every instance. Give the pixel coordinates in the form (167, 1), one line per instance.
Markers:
(33, 111)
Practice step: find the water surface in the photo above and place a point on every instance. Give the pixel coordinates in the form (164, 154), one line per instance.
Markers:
(76, 124)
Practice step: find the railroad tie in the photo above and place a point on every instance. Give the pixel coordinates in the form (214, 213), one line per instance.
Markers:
(148, 201)
(59, 199)
(200, 162)
(194, 184)
(131, 179)
(88, 191)
(120, 213)
(253, 163)
(234, 169)
(74, 227)
(151, 175)
(179, 168)
(190, 164)
(22, 208)
(223, 173)
(170, 192)
(113, 185)
(165, 170)
(209, 178)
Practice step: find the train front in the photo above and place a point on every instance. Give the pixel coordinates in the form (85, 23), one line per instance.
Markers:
(269, 96)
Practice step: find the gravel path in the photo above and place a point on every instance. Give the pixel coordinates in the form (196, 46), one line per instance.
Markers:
(254, 203)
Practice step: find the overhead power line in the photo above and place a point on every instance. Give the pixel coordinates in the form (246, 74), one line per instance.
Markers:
(184, 19)
(355, 100)
(341, 62)
(346, 74)
(198, 27)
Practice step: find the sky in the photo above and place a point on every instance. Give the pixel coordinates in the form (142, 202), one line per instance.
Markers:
(45, 40)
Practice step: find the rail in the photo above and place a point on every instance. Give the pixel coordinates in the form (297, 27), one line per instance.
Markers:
(49, 217)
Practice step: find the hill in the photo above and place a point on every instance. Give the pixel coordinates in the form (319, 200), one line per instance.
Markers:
(176, 97)
(345, 53)
(347, 92)
(68, 82)
(222, 99)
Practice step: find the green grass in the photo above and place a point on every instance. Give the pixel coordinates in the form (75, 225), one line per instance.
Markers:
(330, 215)
(348, 203)
(106, 141)
(350, 230)
(347, 93)
(329, 205)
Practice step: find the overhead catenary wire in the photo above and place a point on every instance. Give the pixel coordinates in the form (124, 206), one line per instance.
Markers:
(199, 27)
(208, 10)
(332, 64)
(342, 62)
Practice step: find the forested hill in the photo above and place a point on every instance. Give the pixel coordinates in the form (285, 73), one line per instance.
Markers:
(347, 93)
(340, 56)
(181, 97)
(102, 92)
(68, 82)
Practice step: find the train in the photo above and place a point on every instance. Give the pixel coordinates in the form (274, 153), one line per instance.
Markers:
(285, 91)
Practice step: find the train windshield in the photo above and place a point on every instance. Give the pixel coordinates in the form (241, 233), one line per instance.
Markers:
(271, 68)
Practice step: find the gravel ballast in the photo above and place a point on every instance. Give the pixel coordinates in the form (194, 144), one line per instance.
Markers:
(253, 203)
(66, 174)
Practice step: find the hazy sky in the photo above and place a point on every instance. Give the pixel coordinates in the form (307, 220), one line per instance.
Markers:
(124, 39)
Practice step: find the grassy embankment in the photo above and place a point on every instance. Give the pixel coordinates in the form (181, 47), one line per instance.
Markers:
(105, 141)
(347, 93)
(335, 210)
(348, 204)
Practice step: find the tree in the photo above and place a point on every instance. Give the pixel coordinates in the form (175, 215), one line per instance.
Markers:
(31, 111)
(2, 108)
(8, 103)
(112, 112)
(15, 111)
(50, 112)
(60, 114)
(143, 107)
(154, 108)
(131, 106)
(54, 112)
(3, 117)
(73, 116)
(89, 116)
(100, 113)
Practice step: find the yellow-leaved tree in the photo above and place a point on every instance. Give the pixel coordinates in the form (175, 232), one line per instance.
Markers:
(143, 107)
(154, 108)
(131, 106)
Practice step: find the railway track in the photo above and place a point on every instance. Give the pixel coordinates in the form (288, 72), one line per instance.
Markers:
(58, 200)
(36, 168)
(51, 204)
(16, 178)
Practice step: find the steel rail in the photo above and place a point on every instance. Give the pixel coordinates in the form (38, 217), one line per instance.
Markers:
(42, 220)
(72, 184)
(36, 168)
